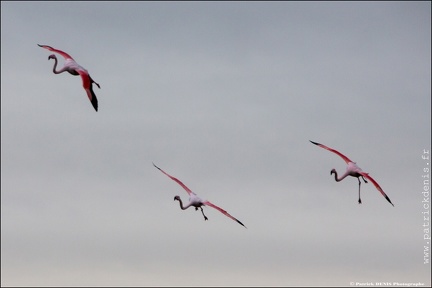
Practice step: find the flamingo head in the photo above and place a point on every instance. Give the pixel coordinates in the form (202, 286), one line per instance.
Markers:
(177, 198)
(52, 56)
(333, 171)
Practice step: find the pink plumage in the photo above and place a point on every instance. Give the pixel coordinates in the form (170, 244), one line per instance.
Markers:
(354, 171)
(196, 201)
(75, 69)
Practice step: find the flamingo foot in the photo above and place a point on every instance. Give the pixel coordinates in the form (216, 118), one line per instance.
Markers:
(359, 202)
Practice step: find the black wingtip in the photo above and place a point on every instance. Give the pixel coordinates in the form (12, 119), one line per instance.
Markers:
(241, 224)
(93, 98)
(314, 142)
(156, 166)
(388, 199)
(94, 102)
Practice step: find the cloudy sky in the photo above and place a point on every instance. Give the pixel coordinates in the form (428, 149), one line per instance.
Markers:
(224, 96)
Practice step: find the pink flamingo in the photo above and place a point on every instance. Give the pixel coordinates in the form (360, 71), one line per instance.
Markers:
(196, 201)
(354, 171)
(75, 69)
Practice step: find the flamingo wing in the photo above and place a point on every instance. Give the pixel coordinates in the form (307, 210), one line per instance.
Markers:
(366, 175)
(346, 159)
(176, 180)
(208, 203)
(87, 84)
(64, 54)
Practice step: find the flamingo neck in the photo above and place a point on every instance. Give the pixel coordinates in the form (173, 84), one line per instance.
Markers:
(336, 175)
(181, 204)
(55, 66)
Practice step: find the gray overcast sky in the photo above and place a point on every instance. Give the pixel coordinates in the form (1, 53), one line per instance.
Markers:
(224, 96)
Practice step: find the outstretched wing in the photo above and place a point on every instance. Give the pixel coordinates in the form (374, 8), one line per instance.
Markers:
(64, 54)
(87, 84)
(346, 159)
(176, 180)
(366, 175)
(208, 203)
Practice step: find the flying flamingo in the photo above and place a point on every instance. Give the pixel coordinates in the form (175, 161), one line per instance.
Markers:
(71, 66)
(196, 201)
(354, 171)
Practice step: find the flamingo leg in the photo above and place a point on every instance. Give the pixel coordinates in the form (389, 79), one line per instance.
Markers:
(94, 82)
(202, 211)
(359, 201)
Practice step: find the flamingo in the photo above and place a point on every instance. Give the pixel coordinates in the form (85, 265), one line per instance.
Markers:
(75, 69)
(354, 171)
(196, 201)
